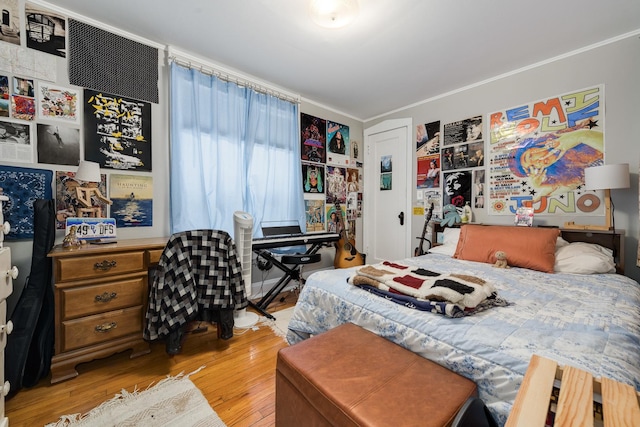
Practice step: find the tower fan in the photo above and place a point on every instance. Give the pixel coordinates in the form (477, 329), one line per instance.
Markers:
(242, 230)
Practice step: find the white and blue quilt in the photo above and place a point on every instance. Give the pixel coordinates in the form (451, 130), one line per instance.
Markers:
(591, 322)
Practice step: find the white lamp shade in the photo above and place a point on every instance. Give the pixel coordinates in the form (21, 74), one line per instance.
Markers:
(607, 177)
(333, 13)
(88, 172)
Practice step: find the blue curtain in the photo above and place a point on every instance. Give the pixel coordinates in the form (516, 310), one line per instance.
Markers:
(232, 149)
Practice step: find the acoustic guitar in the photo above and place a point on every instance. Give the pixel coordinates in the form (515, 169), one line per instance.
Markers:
(420, 249)
(346, 253)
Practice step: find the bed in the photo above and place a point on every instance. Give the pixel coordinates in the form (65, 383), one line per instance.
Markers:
(582, 313)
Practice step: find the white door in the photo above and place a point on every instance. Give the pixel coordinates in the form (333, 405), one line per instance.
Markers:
(387, 196)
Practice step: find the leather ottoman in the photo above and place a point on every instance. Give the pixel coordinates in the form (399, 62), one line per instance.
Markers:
(349, 376)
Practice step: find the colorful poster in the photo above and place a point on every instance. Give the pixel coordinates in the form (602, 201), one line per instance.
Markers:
(353, 181)
(23, 107)
(429, 171)
(334, 221)
(336, 184)
(538, 153)
(132, 197)
(57, 103)
(312, 178)
(313, 138)
(117, 131)
(338, 147)
(314, 213)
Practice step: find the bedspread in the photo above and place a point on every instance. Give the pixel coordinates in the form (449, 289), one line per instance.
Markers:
(588, 321)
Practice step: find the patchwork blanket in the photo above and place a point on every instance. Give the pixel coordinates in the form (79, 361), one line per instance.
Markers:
(453, 295)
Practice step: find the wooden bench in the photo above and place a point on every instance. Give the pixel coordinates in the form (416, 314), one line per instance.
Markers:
(617, 404)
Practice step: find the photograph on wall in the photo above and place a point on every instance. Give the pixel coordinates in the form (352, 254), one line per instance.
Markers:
(67, 197)
(466, 130)
(4, 96)
(386, 181)
(457, 188)
(478, 188)
(46, 30)
(117, 131)
(57, 103)
(338, 147)
(427, 139)
(336, 184)
(538, 153)
(314, 214)
(10, 21)
(355, 151)
(132, 197)
(433, 197)
(335, 217)
(312, 178)
(428, 171)
(23, 87)
(476, 154)
(447, 159)
(58, 145)
(23, 186)
(313, 138)
(16, 142)
(461, 156)
(353, 180)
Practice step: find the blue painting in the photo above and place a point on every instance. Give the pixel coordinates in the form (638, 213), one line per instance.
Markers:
(23, 186)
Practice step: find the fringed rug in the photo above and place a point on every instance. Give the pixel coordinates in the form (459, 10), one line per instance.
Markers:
(174, 401)
(280, 325)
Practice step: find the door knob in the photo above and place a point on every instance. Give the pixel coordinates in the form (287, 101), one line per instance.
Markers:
(401, 216)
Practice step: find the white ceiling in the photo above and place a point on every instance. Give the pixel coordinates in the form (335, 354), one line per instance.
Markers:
(397, 52)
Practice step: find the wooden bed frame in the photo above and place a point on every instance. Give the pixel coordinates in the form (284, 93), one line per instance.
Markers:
(607, 239)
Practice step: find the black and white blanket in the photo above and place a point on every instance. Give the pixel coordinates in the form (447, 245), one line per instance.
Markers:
(198, 269)
(453, 295)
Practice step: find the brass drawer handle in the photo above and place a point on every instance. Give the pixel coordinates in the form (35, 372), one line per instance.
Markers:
(106, 297)
(106, 327)
(104, 265)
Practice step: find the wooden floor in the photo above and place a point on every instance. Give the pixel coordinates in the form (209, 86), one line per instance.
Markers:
(238, 379)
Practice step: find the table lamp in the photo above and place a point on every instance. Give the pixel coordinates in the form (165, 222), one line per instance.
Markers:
(607, 178)
(89, 172)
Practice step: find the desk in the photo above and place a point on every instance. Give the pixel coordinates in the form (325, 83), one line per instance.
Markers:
(100, 293)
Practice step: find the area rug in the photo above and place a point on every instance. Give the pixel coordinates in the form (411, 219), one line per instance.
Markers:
(174, 401)
(280, 325)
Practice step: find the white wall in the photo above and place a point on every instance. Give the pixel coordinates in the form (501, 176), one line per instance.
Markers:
(616, 65)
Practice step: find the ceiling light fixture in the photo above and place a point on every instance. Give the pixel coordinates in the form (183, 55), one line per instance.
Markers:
(333, 13)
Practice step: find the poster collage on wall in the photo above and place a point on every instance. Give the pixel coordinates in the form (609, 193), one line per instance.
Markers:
(536, 154)
(45, 123)
(331, 176)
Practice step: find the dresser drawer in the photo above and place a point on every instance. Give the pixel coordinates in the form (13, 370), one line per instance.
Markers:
(100, 328)
(95, 299)
(154, 255)
(96, 266)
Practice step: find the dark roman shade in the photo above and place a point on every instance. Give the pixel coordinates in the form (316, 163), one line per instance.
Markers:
(107, 62)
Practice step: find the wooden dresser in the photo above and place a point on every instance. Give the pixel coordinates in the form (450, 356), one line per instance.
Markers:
(101, 293)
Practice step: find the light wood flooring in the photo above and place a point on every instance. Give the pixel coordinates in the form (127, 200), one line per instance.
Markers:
(238, 379)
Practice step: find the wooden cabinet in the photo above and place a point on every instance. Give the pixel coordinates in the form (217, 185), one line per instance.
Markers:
(100, 301)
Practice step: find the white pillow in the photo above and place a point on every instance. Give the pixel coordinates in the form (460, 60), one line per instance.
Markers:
(451, 236)
(443, 249)
(561, 242)
(584, 258)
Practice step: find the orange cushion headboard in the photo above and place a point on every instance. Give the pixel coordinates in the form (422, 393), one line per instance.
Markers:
(528, 247)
